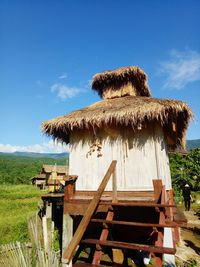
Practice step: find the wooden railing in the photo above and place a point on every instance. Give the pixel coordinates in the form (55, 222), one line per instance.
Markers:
(68, 254)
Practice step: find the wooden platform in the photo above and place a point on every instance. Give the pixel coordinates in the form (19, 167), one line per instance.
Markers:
(78, 203)
(128, 220)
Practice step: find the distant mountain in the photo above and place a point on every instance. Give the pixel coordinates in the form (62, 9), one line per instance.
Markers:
(193, 144)
(38, 155)
(189, 143)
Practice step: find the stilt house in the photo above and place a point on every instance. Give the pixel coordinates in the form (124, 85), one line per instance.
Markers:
(134, 131)
(51, 176)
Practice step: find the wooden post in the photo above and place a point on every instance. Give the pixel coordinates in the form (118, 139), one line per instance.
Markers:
(114, 185)
(109, 217)
(157, 184)
(159, 242)
(67, 235)
(49, 210)
(45, 233)
(68, 254)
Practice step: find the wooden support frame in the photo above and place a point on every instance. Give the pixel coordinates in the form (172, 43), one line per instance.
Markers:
(131, 246)
(157, 185)
(68, 254)
(160, 236)
(94, 201)
(109, 217)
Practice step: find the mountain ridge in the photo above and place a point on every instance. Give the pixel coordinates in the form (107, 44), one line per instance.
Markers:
(190, 144)
(36, 155)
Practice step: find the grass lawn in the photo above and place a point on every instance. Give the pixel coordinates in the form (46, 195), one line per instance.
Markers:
(17, 203)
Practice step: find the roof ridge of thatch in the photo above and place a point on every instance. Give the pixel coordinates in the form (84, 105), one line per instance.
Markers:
(121, 77)
(132, 111)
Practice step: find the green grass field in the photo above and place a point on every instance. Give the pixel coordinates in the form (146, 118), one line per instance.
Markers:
(17, 204)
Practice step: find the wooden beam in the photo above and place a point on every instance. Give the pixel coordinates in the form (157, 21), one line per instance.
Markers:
(85, 265)
(157, 184)
(104, 236)
(109, 217)
(169, 225)
(160, 234)
(79, 207)
(124, 204)
(131, 246)
(67, 256)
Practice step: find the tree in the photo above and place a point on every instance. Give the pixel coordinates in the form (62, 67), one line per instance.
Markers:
(186, 169)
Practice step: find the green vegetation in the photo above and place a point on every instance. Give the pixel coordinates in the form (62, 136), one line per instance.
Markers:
(17, 203)
(185, 169)
(20, 169)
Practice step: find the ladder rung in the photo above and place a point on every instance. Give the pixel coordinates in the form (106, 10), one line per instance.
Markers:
(169, 225)
(85, 265)
(137, 204)
(131, 246)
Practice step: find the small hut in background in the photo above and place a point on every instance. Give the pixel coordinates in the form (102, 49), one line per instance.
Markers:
(39, 180)
(51, 176)
(128, 126)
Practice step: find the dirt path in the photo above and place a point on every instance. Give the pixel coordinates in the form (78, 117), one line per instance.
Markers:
(189, 246)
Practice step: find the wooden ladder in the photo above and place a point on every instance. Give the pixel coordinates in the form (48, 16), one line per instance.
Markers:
(157, 249)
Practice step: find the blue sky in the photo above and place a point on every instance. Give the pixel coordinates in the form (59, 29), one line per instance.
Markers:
(49, 51)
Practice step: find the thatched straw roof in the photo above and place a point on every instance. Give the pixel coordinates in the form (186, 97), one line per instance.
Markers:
(121, 82)
(60, 169)
(130, 111)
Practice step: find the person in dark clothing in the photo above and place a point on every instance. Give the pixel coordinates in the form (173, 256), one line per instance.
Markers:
(187, 196)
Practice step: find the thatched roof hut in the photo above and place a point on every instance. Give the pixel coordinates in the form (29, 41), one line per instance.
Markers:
(127, 101)
(127, 112)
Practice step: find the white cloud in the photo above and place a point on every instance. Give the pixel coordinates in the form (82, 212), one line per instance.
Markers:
(63, 91)
(63, 76)
(50, 147)
(181, 69)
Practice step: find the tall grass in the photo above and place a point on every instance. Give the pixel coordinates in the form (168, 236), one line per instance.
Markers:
(29, 255)
(17, 203)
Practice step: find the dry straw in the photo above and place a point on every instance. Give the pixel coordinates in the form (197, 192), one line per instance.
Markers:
(134, 110)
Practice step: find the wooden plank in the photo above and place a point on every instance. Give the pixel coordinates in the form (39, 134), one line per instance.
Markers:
(168, 225)
(79, 207)
(139, 204)
(104, 236)
(114, 186)
(131, 246)
(157, 184)
(109, 217)
(125, 203)
(160, 236)
(120, 194)
(86, 265)
(67, 235)
(67, 256)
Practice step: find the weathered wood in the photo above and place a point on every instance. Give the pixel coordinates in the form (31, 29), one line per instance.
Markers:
(87, 217)
(79, 207)
(124, 204)
(67, 235)
(160, 237)
(86, 265)
(137, 204)
(140, 224)
(131, 246)
(114, 185)
(109, 217)
(104, 236)
(45, 232)
(157, 184)
(121, 194)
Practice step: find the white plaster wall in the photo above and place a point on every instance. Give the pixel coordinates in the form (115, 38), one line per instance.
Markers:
(135, 153)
